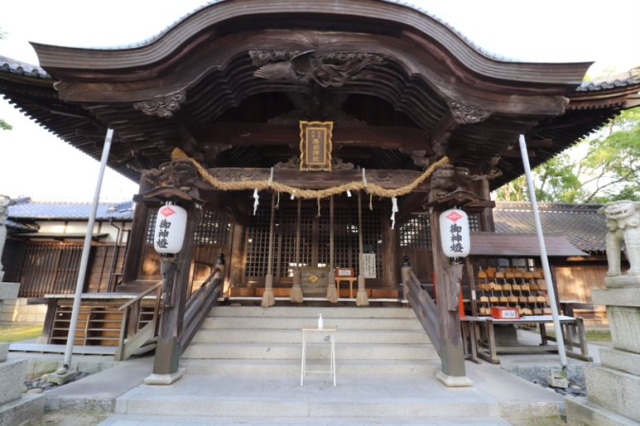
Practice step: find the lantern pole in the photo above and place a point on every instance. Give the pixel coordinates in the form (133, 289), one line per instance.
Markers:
(85, 255)
(543, 255)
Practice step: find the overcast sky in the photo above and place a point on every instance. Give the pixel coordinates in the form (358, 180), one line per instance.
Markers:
(37, 164)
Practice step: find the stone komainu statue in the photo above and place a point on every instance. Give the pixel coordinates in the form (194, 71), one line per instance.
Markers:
(623, 226)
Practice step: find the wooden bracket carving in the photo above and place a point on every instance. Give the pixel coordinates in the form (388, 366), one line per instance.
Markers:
(163, 106)
(449, 188)
(180, 175)
(467, 114)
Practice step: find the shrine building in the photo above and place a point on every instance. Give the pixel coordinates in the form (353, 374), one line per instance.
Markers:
(309, 142)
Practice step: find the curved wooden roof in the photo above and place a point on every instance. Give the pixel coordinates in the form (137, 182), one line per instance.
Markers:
(229, 83)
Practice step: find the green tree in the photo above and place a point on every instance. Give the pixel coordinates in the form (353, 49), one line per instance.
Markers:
(599, 169)
(516, 190)
(613, 161)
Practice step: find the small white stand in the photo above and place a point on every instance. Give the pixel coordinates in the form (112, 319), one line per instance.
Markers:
(330, 332)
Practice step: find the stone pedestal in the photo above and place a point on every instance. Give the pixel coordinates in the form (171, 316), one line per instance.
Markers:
(613, 387)
(12, 375)
(15, 407)
(8, 297)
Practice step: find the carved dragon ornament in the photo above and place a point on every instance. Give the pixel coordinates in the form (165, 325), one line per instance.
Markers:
(327, 70)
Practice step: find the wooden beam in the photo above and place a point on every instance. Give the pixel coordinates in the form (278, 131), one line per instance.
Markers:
(252, 134)
(512, 153)
(408, 204)
(442, 133)
(389, 179)
(540, 143)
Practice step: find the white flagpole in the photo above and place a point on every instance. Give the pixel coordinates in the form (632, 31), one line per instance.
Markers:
(85, 252)
(543, 255)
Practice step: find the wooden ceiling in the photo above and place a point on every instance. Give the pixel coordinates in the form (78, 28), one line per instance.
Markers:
(229, 83)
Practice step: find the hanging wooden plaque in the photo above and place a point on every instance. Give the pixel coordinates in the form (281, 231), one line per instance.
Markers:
(315, 145)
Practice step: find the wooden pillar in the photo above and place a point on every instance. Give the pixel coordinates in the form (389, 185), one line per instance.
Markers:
(168, 350)
(332, 291)
(138, 238)
(361, 298)
(268, 298)
(296, 290)
(486, 216)
(237, 258)
(453, 372)
(49, 320)
(390, 259)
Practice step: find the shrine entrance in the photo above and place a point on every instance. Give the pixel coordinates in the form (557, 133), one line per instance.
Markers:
(302, 238)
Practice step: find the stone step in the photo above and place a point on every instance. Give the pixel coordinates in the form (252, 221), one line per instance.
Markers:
(291, 368)
(128, 420)
(312, 311)
(249, 373)
(259, 351)
(342, 336)
(254, 399)
(254, 341)
(242, 322)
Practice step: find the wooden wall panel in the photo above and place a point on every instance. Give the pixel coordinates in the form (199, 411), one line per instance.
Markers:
(576, 282)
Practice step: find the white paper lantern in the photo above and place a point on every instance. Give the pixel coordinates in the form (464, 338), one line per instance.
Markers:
(454, 233)
(171, 224)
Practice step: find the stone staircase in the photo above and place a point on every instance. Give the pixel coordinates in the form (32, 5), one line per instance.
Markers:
(243, 367)
(250, 341)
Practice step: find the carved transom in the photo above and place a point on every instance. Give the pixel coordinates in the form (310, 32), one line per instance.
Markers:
(294, 163)
(327, 70)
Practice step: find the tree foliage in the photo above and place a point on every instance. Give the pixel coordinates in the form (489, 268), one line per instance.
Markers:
(600, 169)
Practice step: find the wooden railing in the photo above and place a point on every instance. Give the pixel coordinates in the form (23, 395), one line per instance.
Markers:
(423, 305)
(200, 303)
(132, 337)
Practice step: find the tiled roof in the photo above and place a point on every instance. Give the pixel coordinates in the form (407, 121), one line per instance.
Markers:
(22, 68)
(628, 78)
(37, 210)
(521, 245)
(17, 226)
(581, 224)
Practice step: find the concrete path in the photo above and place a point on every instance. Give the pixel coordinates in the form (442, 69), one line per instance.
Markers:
(497, 397)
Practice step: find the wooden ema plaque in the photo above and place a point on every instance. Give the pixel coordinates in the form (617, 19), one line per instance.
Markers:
(315, 145)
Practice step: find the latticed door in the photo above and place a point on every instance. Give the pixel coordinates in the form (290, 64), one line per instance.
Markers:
(415, 243)
(210, 238)
(314, 228)
(49, 268)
